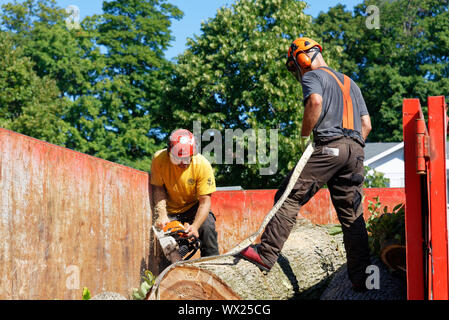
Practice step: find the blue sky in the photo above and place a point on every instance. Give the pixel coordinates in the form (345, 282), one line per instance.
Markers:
(195, 11)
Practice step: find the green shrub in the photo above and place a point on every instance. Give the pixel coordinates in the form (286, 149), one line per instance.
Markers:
(385, 226)
(86, 294)
(145, 286)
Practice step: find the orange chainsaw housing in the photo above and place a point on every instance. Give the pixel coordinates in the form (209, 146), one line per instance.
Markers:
(174, 226)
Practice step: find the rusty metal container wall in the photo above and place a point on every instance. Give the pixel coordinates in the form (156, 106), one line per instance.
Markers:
(240, 213)
(68, 220)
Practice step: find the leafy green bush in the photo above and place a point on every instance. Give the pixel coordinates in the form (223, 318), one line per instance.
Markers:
(86, 294)
(145, 286)
(383, 226)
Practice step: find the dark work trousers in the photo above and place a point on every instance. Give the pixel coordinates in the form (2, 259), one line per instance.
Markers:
(339, 163)
(207, 233)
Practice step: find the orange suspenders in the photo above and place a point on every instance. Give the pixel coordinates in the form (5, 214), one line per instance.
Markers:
(348, 113)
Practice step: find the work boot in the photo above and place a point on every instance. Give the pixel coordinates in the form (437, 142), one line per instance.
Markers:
(250, 254)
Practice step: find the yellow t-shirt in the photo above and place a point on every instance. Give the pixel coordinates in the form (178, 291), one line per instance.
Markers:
(183, 186)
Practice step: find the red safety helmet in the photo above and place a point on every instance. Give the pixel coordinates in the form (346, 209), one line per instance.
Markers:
(182, 144)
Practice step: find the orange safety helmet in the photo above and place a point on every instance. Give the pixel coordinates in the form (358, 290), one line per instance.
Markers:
(297, 57)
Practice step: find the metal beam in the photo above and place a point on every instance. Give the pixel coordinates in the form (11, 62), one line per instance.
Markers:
(438, 198)
(413, 207)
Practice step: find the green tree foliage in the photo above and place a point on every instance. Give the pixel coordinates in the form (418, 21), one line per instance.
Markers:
(66, 55)
(111, 69)
(375, 179)
(405, 58)
(233, 76)
(29, 104)
(135, 35)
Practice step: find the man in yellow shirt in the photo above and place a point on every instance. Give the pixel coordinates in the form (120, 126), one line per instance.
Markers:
(183, 182)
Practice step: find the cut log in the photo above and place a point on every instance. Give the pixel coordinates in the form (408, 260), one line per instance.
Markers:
(308, 260)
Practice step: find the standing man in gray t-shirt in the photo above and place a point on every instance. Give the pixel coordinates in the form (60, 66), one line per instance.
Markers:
(336, 113)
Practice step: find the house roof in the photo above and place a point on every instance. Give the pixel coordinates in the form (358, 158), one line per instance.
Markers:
(377, 150)
(373, 149)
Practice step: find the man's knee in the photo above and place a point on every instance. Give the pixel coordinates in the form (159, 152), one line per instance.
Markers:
(348, 202)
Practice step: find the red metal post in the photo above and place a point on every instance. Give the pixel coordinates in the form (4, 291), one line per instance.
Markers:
(438, 198)
(413, 208)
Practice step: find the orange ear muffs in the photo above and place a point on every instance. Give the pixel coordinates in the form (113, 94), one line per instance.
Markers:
(303, 60)
(297, 56)
(293, 62)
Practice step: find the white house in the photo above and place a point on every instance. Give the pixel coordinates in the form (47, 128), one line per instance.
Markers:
(388, 158)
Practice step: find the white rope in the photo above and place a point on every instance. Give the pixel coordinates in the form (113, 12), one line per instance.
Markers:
(248, 241)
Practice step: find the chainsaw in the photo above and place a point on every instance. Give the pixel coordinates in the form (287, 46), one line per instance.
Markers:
(175, 242)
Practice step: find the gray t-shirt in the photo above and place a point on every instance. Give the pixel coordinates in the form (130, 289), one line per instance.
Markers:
(330, 123)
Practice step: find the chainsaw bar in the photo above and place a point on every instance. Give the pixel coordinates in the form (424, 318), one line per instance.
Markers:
(169, 246)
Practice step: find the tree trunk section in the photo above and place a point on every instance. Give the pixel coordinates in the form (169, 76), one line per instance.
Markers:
(308, 260)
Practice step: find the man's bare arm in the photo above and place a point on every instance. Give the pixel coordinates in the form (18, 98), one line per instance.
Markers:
(201, 215)
(160, 205)
(312, 112)
(366, 126)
